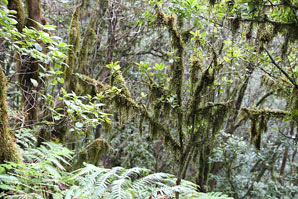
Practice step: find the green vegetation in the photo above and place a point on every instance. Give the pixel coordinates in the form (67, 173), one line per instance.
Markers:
(148, 99)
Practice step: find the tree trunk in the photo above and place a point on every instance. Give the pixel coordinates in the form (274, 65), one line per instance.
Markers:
(28, 70)
(8, 149)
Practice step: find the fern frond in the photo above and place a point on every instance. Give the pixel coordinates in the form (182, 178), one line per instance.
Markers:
(118, 189)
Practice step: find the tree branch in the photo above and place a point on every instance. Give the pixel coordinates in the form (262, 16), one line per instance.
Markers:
(281, 70)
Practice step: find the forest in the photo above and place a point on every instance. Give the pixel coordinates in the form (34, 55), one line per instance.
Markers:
(148, 99)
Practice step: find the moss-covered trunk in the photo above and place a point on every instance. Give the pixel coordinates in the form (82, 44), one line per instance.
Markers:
(28, 70)
(8, 149)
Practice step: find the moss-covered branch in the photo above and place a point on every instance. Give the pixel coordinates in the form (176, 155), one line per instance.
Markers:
(123, 100)
(206, 80)
(258, 122)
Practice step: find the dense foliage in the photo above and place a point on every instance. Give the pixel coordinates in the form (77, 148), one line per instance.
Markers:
(92, 92)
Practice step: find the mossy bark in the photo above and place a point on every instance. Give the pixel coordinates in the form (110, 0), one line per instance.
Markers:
(92, 153)
(8, 148)
(74, 42)
(30, 69)
(20, 16)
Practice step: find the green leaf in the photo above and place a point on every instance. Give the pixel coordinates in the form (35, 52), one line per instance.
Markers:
(62, 44)
(79, 124)
(49, 27)
(53, 171)
(38, 47)
(34, 82)
(5, 2)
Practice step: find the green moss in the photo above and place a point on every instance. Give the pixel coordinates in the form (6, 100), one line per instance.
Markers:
(83, 85)
(258, 122)
(177, 67)
(280, 86)
(88, 42)
(74, 42)
(195, 67)
(92, 153)
(20, 16)
(8, 149)
(118, 81)
(207, 79)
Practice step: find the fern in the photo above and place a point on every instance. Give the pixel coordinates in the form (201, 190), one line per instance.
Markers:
(39, 176)
(25, 139)
(136, 183)
(211, 195)
(42, 175)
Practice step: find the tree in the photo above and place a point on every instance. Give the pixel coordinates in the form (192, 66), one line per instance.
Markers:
(8, 149)
(195, 77)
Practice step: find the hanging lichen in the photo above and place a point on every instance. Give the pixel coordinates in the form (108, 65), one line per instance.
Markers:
(280, 86)
(207, 79)
(195, 67)
(258, 122)
(177, 67)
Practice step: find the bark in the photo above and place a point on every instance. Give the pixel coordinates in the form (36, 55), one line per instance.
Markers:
(28, 69)
(20, 17)
(34, 14)
(8, 149)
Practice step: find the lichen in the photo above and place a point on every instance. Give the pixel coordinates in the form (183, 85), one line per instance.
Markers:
(207, 79)
(258, 122)
(195, 67)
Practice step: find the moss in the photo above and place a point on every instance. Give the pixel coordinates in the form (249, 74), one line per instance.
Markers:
(195, 67)
(280, 86)
(258, 122)
(20, 16)
(92, 153)
(8, 149)
(177, 67)
(118, 81)
(156, 128)
(83, 85)
(207, 79)
(74, 42)
(88, 42)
